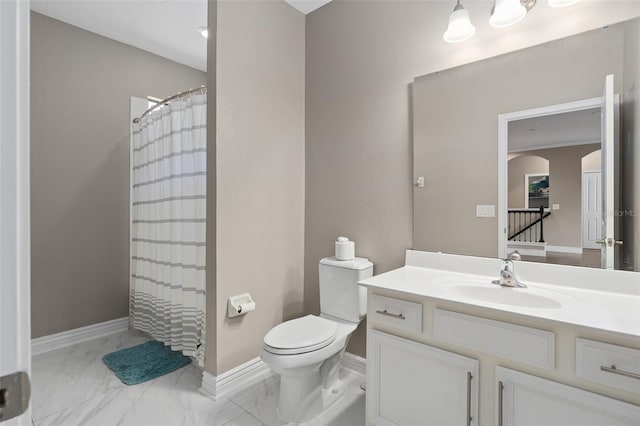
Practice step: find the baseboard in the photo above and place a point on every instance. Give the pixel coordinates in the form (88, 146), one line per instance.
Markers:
(355, 363)
(535, 253)
(565, 249)
(244, 375)
(254, 371)
(55, 341)
(528, 249)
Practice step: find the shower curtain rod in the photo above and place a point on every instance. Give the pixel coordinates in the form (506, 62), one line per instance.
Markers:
(203, 90)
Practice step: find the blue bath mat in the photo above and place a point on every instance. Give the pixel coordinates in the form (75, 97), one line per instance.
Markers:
(144, 362)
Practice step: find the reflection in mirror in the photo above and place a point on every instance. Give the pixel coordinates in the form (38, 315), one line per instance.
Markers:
(481, 198)
(554, 188)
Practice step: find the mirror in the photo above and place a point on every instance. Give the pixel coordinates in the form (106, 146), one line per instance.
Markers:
(511, 152)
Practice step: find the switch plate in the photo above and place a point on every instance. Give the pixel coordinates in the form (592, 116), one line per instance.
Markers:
(556, 206)
(488, 210)
(420, 181)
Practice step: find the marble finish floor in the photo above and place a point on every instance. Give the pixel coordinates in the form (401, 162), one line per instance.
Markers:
(72, 386)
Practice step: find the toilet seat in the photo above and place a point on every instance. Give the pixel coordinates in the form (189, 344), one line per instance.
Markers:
(301, 335)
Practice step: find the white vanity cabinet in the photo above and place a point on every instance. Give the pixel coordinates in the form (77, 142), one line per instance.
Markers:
(447, 347)
(413, 381)
(418, 384)
(526, 400)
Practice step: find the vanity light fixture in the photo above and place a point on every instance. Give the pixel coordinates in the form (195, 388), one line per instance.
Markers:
(204, 32)
(460, 28)
(507, 12)
(503, 14)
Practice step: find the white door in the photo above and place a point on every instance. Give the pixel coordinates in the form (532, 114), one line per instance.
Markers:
(15, 352)
(526, 400)
(608, 128)
(417, 384)
(591, 210)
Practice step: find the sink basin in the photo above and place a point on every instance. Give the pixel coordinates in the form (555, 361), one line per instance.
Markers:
(481, 289)
(506, 296)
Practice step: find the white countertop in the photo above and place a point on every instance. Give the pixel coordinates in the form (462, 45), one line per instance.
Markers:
(617, 312)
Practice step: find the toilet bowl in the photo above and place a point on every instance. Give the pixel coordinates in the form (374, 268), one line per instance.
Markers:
(306, 351)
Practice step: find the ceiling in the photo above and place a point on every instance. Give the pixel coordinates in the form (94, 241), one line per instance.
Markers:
(167, 28)
(307, 6)
(566, 129)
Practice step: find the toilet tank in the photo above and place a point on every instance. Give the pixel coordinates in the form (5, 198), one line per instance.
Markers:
(340, 294)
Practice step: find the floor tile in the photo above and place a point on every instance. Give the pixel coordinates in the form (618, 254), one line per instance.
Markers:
(72, 386)
(262, 401)
(244, 419)
(169, 400)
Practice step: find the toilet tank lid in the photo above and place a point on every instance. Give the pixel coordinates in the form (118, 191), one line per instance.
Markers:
(357, 263)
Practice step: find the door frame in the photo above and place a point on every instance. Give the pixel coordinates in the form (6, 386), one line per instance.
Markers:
(15, 304)
(503, 152)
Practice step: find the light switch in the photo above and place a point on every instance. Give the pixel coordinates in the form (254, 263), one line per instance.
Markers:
(420, 181)
(486, 210)
(556, 206)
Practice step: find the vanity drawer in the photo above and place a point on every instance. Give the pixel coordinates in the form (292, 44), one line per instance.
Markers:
(396, 312)
(503, 339)
(595, 361)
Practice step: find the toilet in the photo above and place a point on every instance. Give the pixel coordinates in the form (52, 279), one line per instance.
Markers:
(306, 351)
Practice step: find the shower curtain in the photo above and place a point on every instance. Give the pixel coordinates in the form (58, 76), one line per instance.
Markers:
(168, 224)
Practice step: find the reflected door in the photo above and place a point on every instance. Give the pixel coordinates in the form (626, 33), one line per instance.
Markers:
(591, 209)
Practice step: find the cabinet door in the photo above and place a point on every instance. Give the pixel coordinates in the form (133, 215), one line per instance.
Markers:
(415, 384)
(525, 400)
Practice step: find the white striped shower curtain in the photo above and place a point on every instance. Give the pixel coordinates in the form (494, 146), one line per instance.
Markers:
(167, 286)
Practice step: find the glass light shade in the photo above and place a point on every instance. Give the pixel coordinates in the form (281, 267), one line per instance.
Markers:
(460, 28)
(562, 3)
(507, 12)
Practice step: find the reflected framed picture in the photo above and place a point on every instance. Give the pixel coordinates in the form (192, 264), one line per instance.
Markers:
(537, 191)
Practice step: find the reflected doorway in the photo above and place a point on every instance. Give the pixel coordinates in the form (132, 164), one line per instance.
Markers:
(553, 184)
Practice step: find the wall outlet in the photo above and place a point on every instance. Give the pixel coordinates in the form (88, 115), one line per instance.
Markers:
(486, 210)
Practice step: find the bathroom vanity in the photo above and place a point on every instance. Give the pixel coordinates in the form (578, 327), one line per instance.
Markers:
(446, 346)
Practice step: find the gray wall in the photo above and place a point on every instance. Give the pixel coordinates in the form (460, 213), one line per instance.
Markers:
(81, 84)
(592, 162)
(564, 226)
(260, 172)
(630, 150)
(519, 166)
(361, 59)
(211, 343)
(455, 123)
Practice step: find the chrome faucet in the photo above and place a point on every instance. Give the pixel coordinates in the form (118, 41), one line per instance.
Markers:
(507, 274)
